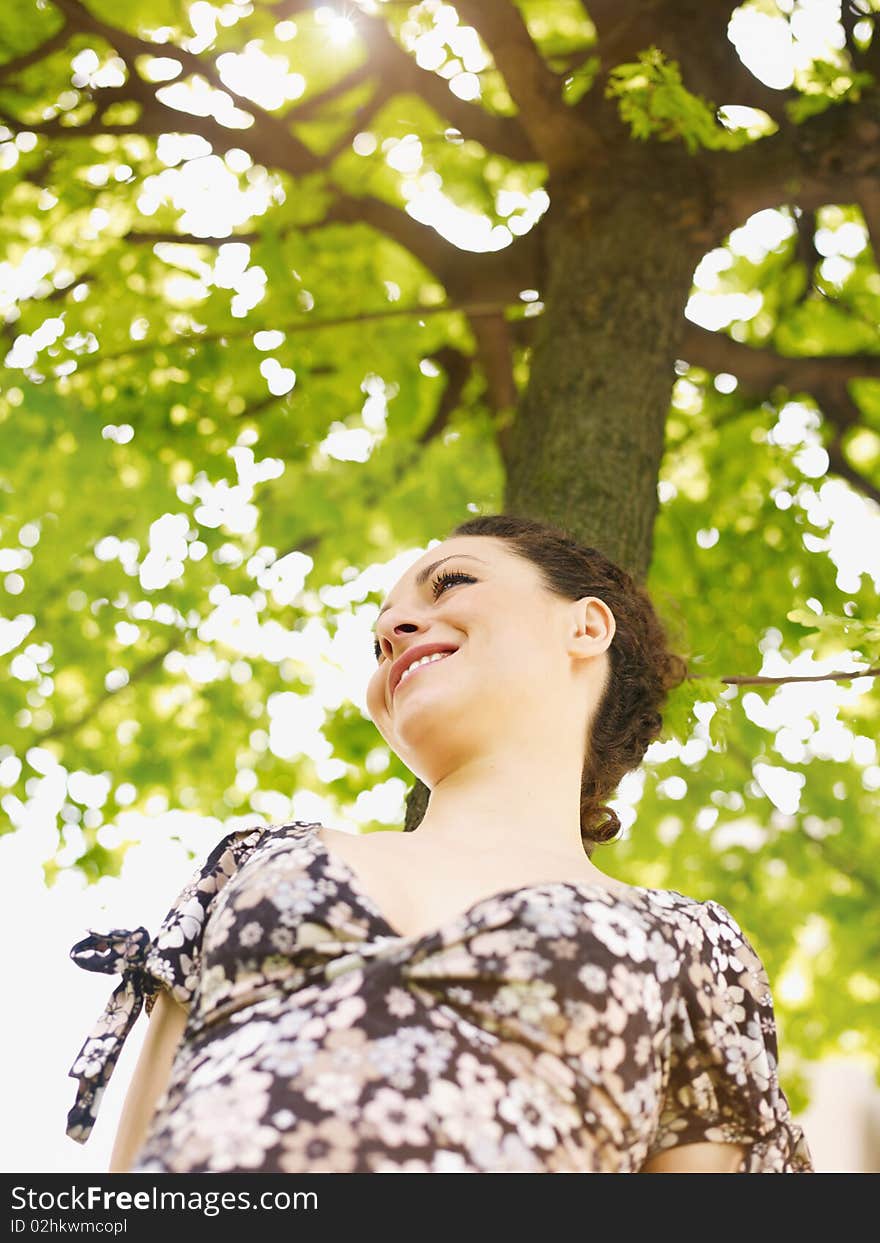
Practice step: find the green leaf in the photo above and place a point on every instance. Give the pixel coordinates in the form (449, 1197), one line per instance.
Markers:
(835, 633)
(654, 102)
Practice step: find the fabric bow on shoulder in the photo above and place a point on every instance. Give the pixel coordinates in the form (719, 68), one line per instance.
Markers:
(118, 952)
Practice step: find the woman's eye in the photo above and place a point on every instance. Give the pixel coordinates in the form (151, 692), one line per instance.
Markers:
(439, 583)
(447, 577)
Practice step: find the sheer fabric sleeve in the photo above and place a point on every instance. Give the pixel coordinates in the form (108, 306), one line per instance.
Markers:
(171, 960)
(723, 1083)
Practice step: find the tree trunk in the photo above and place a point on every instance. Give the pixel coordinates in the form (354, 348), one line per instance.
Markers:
(586, 445)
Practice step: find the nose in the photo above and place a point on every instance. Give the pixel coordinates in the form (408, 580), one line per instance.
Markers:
(387, 632)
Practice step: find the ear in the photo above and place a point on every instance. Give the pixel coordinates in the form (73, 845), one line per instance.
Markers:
(593, 627)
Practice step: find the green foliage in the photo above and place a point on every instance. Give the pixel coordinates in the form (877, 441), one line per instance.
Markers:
(163, 339)
(559, 29)
(857, 639)
(580, 81)
(655, 103)
(826, 84)
(680, 718)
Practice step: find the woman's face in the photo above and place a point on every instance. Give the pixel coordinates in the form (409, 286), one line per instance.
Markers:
(525, 659)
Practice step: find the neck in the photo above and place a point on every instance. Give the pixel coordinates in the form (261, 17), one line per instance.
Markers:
(520, 803)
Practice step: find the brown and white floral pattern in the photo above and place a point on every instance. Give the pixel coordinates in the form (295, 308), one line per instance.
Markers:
(556, 1028)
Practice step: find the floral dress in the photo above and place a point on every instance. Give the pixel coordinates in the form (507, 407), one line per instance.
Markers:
(557, 1027)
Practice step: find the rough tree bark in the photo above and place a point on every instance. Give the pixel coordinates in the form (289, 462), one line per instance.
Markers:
(586, 445)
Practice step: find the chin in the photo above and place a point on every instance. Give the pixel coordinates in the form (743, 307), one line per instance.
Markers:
(432, 748)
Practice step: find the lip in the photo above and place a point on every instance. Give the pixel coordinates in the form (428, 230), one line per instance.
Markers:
(415, 653)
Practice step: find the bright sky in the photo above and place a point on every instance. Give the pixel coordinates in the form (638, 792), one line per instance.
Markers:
(55, 1003)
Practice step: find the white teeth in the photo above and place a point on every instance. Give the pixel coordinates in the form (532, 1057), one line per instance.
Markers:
(424, 660)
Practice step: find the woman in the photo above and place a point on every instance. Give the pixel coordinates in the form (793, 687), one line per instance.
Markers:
(477, 995)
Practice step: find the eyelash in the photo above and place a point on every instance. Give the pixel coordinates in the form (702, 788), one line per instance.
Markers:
(444, 578)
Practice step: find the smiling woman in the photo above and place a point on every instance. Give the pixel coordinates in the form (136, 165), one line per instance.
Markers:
(475, 996)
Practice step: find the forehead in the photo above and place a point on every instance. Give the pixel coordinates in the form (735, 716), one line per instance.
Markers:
(484, 552)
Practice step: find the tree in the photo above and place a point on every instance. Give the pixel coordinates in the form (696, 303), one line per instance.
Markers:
(222, 225)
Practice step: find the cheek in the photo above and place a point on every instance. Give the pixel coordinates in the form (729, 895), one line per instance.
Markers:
(376, 689)
(514, 667)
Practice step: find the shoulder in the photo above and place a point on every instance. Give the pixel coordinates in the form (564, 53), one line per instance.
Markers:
(722, 970)
(708, 934)
(706, 920)
(210, 875)
(723, 940)
(230, 850)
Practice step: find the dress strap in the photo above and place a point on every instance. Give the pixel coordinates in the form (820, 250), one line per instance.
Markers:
(118, 952)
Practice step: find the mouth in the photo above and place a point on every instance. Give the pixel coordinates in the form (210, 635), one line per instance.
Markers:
(414, 672)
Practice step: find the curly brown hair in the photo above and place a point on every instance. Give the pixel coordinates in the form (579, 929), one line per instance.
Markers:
(642, 668)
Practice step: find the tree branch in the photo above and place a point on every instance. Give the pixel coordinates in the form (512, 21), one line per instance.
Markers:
(815, 846)
(764, 369)
(866, 192)
(852, 12)
(757, 680)
(842, 466)
(693, 35)
(562, 137)
(154, 237)
(391, 64)
(807, 254)
(141, 671)
(360, 118)
(457, 366)
(311, 108)
(824, 160)
(711, 65)
(496, 355)
(262, 404)
(825, 377)
(269, 141)
(493, 276)
(130, 46)
(54, 43)
(156, 119)
(625, 29)
(194, 340)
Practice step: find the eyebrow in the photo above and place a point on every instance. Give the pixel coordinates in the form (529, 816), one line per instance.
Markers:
(425, 574)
